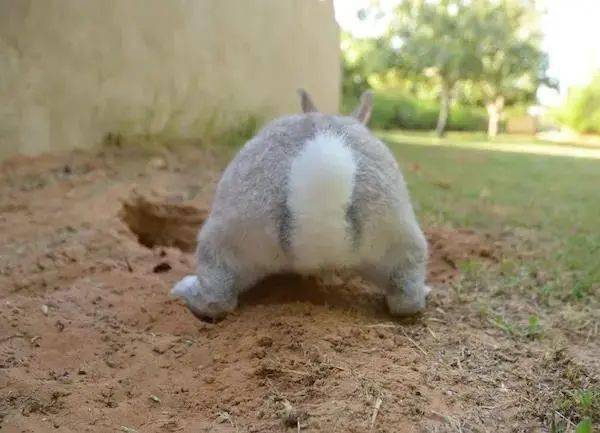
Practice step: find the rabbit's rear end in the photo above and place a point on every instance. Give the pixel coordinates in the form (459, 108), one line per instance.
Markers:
(310, 193)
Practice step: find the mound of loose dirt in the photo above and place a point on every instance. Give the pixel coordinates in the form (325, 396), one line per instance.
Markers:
(449, 248)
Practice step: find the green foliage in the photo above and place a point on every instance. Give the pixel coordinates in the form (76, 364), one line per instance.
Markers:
(467, 118)
(585, 426)
(218, 131)
(588, 400)
(581, 110)
(583, 404)
(534, 328)
(487, 51)
(394, 109)
(513, 65)
(246, 128)
(494, 45)
(361, 58)
(500, 323)
(436, 39)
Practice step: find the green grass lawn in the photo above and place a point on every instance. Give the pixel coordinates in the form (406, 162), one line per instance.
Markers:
(544, 199)
(551, 192)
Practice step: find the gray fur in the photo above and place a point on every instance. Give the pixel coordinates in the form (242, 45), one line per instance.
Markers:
(247, 236)
(365, 108)
(306, 102)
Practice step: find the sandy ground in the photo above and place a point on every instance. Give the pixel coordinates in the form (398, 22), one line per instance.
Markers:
(90, 341)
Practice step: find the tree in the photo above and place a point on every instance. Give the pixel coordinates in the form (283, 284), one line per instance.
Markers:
(493, 44)
(360, 59)
(513, 66)
(581, 110)
(436, 39)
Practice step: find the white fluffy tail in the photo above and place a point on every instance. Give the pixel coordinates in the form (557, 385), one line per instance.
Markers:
(320, 190)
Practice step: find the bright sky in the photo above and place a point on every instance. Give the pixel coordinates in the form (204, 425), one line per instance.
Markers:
(572, 37)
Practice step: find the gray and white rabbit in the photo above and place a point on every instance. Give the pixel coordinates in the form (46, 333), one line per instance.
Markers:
(310, 193)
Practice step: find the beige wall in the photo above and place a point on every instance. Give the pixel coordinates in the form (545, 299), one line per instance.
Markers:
(72, 71)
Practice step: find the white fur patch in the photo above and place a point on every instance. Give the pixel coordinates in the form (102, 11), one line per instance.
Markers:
(320, 189)
(187, 288)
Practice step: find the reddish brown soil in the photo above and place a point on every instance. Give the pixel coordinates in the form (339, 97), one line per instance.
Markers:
(90, 341)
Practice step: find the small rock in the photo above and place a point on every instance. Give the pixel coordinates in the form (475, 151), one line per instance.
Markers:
(485, 253)
(170, 426)
(60, 326)
(110, 363)
(45, 309)
(260, 354)
(265, 341)
(158, 163)
(209, 379)
(161, 348)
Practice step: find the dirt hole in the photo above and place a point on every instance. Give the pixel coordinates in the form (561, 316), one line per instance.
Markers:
(156, 222)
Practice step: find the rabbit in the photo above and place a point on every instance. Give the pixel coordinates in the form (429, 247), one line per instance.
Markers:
(310, 193)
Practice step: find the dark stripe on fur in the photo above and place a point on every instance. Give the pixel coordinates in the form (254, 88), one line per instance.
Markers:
(354, 223)
(285, 227)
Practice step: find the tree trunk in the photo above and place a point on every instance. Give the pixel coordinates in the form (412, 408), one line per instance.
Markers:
(494, 109)
(440, 129)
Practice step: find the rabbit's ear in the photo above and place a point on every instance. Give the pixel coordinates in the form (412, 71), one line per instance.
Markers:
(365, 108)
(308, 106)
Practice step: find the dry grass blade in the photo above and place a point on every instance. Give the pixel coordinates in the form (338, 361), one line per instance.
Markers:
(394, 325)
(413, 342)
(376, 411)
